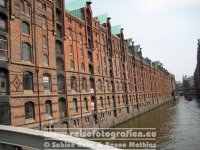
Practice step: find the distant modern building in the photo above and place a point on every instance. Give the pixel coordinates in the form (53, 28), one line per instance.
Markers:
(190, 80)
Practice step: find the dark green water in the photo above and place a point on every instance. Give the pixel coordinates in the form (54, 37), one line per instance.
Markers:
(177, 125)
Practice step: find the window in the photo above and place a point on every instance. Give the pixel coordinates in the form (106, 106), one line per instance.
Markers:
(70, 32)
(82, 67)
(3, 3)
(59, 63)
(44, 7)
(46, 60)
(81, 51)
(46, 82)
(81, 38)
(84, 84)
(3, 47)
(107, 86)
(118, 100)
(29, 110)
(69, 20)
(72, 64)
(48, 106)
(62, 106)
(75, 106)
(86, 104)
(28, 80)
(3, 22)
(44, 23)
(71, 49)
(99, 85)
(25, 27)
(59, 31)
(108, 101)
(73, 83)
(101, 102)
(59, 47)
(60, 83)
(3, 81)
(58, 15)
(98, 69)
(25, 8)
(58, 3)
(26, 52)
(44, 41)
(4, 113)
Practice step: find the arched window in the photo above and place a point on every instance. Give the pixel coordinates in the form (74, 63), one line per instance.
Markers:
(44, 22)
(90, 57)
(28, 80)
(82, 53)
(47, 82)
(70, 33)
(58, 15)
(72, 64)
(91, 70)
(101, 102)
(48, 106)
(25, 8)
(3, 3)
(71, 49)
(60, 83)
(46, 60)
(3, 81)
(84, 84)
(82, 67)
(86, 104)
(58, 3)
(29, 110)
(26, 52)
(3, 47)
(62, 106)
(44, 7)
(73, 83)
(44, 41)
(118, 100)
(75, 106)
(59, 31)
(107, 85)
(59, 63)
(59, 47)
(3, 21)
(99, 85)
(4, 113)
(108, 101)
(25, 27)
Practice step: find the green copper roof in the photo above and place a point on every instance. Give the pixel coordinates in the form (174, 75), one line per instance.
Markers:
(199, 41)
(75, 4)
(102, 18)
(137, 55)
(116, 29)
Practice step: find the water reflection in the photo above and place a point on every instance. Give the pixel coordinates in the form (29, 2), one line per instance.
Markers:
(177, 125)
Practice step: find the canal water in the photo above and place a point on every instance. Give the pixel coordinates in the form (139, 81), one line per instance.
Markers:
(177, 125)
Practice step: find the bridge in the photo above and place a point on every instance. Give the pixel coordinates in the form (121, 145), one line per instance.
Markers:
(18, 138)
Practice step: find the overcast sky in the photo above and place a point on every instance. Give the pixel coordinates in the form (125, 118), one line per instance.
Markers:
(167, 30)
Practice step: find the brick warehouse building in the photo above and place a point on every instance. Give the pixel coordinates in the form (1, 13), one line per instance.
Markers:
(62, 67)
(197, 71)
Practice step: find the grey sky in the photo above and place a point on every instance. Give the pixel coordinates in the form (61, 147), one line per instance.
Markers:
(167, 30)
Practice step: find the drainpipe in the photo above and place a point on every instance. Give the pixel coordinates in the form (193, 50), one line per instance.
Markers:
(37, 69)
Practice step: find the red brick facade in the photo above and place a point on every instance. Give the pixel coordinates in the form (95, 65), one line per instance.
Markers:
(77, 73)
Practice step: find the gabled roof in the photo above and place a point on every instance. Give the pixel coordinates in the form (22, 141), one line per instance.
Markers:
(75, 7)
(116, 29)
(102, 18)
(75, 4)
